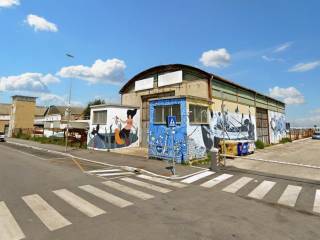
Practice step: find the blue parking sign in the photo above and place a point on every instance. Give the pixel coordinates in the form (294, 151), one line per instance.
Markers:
(171, 121)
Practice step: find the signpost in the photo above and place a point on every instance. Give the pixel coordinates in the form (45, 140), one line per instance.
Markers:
(172, 123)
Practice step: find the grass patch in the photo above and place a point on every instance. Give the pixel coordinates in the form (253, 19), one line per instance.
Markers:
(285, 140)
(50, 140)
(259, 144)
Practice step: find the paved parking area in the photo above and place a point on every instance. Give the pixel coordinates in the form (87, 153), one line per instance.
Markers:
(305, 153)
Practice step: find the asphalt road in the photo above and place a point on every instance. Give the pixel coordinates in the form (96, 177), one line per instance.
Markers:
(39, 199)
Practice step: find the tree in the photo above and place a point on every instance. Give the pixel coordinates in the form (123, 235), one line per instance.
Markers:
(86, 112)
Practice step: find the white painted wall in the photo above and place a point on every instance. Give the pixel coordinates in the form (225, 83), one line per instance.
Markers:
(277, 126)
(116, 117)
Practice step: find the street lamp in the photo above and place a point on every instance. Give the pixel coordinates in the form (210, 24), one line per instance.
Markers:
(68, 109)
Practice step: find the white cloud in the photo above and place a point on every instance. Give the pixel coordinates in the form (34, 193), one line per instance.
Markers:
(31, 82)
(215, 58)
(288, 95)
(41, 24)
(9, 3)
(308, 121)
(283, 47)
(109, 71)
(304, 67)
(316, 111)
(48, 99)
(271, 59)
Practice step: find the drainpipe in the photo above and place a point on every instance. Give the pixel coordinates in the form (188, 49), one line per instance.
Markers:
(210, 88)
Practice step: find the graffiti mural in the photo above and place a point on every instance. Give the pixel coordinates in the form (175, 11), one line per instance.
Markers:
(230, 125)
(120, 130)
(233, 126)
(162, 142)
(198, 144)
(277, 126)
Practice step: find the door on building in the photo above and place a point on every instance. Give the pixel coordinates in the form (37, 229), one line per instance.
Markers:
(262, 125)
(145, 114)
(6, 130)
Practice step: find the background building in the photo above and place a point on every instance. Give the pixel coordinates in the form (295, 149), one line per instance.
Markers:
(22, 114)
(5, 110)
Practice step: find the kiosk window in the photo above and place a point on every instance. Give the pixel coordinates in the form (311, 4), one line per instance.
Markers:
(162, 112)
(198, 114)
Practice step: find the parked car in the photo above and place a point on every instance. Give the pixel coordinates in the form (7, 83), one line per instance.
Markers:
(316, 135)
(2, 137)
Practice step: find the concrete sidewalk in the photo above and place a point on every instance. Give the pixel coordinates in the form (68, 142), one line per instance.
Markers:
(155, 166)
(298, 159)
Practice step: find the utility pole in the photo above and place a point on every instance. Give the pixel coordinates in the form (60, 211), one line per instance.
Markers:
(68, 110)
(224, 129)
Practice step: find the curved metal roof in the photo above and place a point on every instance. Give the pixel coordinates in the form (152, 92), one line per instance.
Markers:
(163, 68)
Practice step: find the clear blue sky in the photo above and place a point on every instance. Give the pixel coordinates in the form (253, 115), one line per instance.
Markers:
(270, 46)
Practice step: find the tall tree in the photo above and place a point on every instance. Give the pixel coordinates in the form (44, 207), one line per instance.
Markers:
(86, 111)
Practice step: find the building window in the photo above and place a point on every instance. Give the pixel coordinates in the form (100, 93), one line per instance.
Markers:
(99, 117)
(198, 114)
(162, 112)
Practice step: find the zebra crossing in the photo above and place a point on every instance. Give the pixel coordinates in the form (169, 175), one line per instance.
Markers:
(53, 218)
(289, 197)
(139, 188)
(109, 173)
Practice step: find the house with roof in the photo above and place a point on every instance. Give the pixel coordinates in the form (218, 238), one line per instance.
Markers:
(207, 107)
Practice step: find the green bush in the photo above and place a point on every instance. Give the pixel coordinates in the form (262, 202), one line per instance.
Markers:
(285, 140)
(50, 140)
(259, 144)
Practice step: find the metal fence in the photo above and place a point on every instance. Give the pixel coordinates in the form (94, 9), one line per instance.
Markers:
(300, 133)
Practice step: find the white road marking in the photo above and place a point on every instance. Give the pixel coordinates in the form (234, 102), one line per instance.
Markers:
(162, 181)
(237, 185)
(261, 190)
(9, 228)
(128, 190)
(146, 185)
(316, 204)
(114, 174)
(25, 153)
(108, 197)
(215, 181)
(290, 195)
(197, 177)
(79, 203)
(47, 214)
(104, 170)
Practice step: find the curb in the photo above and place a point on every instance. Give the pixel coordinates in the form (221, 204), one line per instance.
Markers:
(126, 168)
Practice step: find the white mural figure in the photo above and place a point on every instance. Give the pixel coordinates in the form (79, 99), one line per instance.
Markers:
(234, 125)
(277, 123)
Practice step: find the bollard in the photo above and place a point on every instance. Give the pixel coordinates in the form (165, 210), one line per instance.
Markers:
(214, 158)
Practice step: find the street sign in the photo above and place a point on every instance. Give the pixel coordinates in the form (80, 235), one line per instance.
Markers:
(171, 121)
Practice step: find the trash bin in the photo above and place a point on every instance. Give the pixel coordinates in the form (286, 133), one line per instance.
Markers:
(242, 148)
(251, 147)
(231, 147)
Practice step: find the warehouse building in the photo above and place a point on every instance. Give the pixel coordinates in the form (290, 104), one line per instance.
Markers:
(208, 108)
